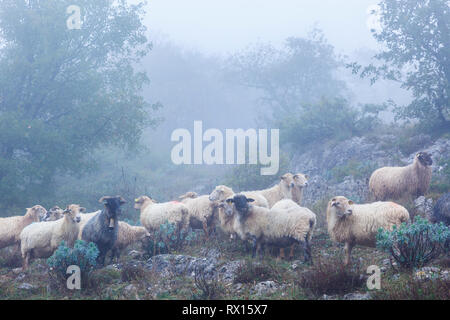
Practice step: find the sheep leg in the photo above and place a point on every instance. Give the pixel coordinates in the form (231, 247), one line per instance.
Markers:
(205, 229)
(26, 260)
(307, 251)
(291, 253)
(348, 250)
(254, 247)
(281, 255)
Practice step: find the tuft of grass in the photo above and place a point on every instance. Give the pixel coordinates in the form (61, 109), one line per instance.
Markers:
(408, 288)
(250, 272)
(132, 272)
(330, 276)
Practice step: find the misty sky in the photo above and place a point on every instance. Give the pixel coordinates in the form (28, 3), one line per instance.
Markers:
(224, 26)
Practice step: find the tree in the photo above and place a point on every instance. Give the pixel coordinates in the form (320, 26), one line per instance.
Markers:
(293, 77)
(66, 92)
(416, 35)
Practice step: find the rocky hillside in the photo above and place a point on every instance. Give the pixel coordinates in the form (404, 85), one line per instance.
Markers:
(344, 168)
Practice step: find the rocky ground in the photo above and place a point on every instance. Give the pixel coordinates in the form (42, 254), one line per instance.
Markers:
(220, 269)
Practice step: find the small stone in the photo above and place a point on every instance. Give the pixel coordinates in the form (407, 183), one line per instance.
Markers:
(26, 286)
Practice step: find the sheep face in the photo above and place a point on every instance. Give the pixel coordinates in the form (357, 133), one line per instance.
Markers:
(113, 210)
(218, 194)
(342, 206)
(55, 213)
(37, 212)
(300, 181)
(73, 212)
(139, 202)
(241, 203)
(424, 159)
(287, 182)
(227, 207)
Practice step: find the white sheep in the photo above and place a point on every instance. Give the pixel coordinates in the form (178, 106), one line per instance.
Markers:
(11, 227)
(394, 183)
(154, 214)
(358, 224)
(282, 190)
(41, 239)
(201, 211)
(298, 185)
(126, 236)
(280, 227)
(292, 207)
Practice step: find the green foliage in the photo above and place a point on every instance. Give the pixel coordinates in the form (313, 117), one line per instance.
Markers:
(248, 176)
(441, 184)
(415, 35)
(208, 288)
(414, 245)
(332, 120)
(82, 254)
(65, 93)
(301, 72)
(356, 169)
(167, 239)
(408, 288)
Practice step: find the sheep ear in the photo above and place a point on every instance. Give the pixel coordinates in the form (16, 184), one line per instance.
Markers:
(306, 176)
(82, 209)
(102, 199)
(229, 200)
(250, 200)
(283, 177)
(350, 202)
(122, 200)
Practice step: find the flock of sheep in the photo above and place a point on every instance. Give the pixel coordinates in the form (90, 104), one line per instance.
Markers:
(273, 216)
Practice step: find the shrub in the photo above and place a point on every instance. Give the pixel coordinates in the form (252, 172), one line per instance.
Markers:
(83, 255)
(132, 272)
(408, 288)
(414, 245)
(356, 169)
(208, 289)
(331, 276)
(250, 272)
(167, 240)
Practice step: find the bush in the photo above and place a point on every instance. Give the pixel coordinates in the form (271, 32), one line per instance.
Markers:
(408, 288)
(167, 239)
(208, 289)
(414, 245)
(83, 255)
(250, 272)
(331, 276)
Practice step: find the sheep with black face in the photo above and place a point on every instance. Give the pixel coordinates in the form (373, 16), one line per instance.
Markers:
(282, 226)
(102, 229)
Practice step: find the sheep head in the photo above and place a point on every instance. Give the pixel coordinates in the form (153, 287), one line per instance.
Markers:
(220, 193)
(55, 213)
(300, 181)
(342, 206)
(112, 206)
(73, 212)
(424, 158)
(188, 195)
(37, 213)
(241, 203)
(141, 201)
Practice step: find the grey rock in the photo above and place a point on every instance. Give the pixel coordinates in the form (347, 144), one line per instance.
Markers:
(26, 286)
(265, 288)
(423, 206)
(357, 296)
